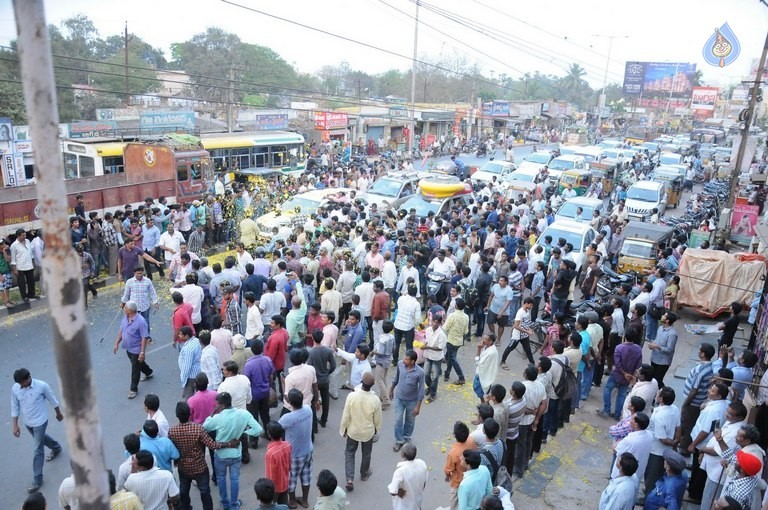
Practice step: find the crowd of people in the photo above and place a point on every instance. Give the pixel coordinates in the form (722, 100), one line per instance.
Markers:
(337, 307)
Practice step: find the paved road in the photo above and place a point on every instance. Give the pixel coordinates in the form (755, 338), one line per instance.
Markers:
(572, 467)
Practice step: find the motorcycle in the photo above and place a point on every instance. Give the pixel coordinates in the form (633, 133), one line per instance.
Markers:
(611, 281)
(481, 151)
(437, 284)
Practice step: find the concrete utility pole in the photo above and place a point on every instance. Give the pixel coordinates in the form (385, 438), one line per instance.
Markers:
(231, 102)
(126, 40)
(60, 263)
(747, 123)
(412, 134)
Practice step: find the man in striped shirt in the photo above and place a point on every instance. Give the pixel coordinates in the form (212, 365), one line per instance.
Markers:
(696, 385)
(155, 487)
(141, 291)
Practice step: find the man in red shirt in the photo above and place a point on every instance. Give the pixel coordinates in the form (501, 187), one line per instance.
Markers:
(314, 321)
(276, 346)
(379, 310)
(182, 316)
(277, 461)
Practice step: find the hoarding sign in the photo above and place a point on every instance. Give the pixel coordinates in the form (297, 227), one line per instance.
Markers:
(6, 129)
(167, 120)
(92, 129)
(330, 120)
(703, 101)
(659, 78)
(270, 121)
(743, 221)
(9, 170)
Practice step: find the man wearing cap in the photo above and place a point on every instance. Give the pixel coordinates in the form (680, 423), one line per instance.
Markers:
(134, 335)
(142, 293)
(668, 491)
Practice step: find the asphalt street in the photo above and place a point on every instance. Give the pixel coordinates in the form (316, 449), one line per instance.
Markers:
(573, 467)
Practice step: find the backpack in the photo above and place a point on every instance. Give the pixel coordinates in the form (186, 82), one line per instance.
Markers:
(567, 385)
(468, 294)
(499, 474)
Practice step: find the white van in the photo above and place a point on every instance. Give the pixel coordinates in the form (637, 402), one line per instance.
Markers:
(643, 197)
(564, 163)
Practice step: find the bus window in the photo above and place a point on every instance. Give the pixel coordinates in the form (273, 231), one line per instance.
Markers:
(279, 157)
(219, 157)
(70, 166)
(241, 156)
(114, 165)
(260, 157)
(87, 167)
(182, 173)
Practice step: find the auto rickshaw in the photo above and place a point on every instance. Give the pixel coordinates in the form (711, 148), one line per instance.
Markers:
(640, 249)
(673, 185)
(604, 173)
(579, 179)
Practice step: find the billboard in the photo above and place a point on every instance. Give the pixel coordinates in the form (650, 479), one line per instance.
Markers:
(330, 120)
(743, 222)
(92, 128)
(703, 101)
(496, 109)
(6, 129)
(268, 121)
(659, 78)
(167, 120)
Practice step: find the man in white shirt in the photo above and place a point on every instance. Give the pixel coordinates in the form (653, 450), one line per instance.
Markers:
(389, 274)
(170, 242)
(535, 406)
(638, 443)
(665, 428)
(152, 407)
(254, 326)
(409, 271)
(23, 266)
(193, 295)
(434, 351)
(408, 480)
(154, 487)
(239, 388)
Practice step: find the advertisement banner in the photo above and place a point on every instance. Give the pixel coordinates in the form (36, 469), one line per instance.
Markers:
(270, 121)
(6, 129)
(743, 221)
(167, 120)
(330, 120)
(703, 101)
(92, 129)
(659, 78)
(18, 163)
(9, 170)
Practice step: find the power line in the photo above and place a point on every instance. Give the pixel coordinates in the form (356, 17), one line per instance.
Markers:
(367, 45)
(500, 36)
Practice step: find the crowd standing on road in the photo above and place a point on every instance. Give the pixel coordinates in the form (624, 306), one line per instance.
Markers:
(340, 301)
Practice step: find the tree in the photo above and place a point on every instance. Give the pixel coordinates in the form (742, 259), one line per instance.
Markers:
(575, 87)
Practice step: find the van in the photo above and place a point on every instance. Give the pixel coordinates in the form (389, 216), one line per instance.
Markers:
(563, 163)
(643, 197)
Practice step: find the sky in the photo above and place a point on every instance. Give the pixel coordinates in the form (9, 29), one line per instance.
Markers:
(504, 37)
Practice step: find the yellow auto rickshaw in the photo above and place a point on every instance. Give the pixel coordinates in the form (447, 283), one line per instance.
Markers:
(578, 179)
(604, 173)
(640, 249)
(673, 185)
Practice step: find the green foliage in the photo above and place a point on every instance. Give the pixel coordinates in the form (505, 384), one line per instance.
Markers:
(12, 102)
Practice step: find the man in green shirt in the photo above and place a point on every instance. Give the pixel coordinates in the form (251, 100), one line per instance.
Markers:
(229, 423)
(456, 328)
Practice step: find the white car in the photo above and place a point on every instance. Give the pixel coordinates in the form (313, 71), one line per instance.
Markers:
(564, 163)
(536, 160)
(579, 234)
(392, 190)
(308, 203)
(670, 158)
(493, 168)
(643, 197)
(588, 205)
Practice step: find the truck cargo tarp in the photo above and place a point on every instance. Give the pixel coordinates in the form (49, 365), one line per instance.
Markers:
(716, 279)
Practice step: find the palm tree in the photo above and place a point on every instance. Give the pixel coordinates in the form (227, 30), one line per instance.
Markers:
(574, 85)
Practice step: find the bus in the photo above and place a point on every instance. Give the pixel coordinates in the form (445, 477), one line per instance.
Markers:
(83, 159)
(253, 152)
(177, 168)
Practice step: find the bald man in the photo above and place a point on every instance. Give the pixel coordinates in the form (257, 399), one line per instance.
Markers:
(360, 421)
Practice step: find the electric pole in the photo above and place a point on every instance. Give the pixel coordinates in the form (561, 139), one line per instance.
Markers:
(126, 40)
(748, 118)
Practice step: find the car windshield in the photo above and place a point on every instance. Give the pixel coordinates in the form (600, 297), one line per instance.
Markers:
(568, 210)
(669, 159)
(646, 195)
(589, 158)
(307, 205)
(521, 176)
(637, 249)
(492, 168)
(539, 158)
(422, 205)
(574, 238)
(650, 146)
(568, 179)
(386, 187)
(561, 164)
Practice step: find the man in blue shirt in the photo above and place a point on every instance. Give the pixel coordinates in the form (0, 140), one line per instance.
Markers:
(476, 483)
(151, 240)
(354, 333)
(161, 447)
(298, 432)
(134, 335)
(28, 399)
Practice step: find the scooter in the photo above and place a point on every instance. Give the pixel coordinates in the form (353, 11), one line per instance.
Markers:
(481, 151)
(436, 283)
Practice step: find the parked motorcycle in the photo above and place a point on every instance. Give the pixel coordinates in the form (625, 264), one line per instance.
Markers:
(611, 281)
(437, 284)
(481, 151)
